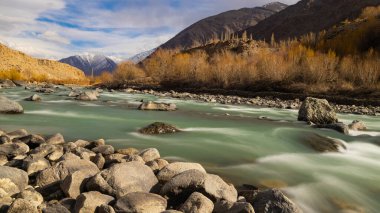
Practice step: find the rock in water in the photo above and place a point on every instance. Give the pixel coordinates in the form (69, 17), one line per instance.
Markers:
(150, 105)
(88, 96)
(317, 111)
(325, 144)
(34, 97)
(10, 107)
(340, 127)
(7, 83)
(159, 128)
(357, 125)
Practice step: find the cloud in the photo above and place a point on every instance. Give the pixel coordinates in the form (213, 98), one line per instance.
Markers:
(117, 28)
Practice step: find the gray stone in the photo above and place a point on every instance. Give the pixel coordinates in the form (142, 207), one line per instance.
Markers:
(123, 178)
(317, 111)
(104, 149)
(56, 139)
(32, 196)
(173, 169)
(90, 201)
(324, 144)
(34, 97)
(197, 203)
(74, 184)
(17, 176)
(157, 106)
(22, 206)
(159, 128)
(141, 202)
(149, 154)
(223, 206)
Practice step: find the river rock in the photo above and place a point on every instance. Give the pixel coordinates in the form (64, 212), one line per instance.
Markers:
(13, 149)
(128, 151)
(43, 150)
(87, 96)
(324, 144)
(7, 188)
(339, 127)
(149, 154)
(7, 83)
(159, 128)
(173, 169)
(62, 169)
(90, 201)
(10, 107)
(197, 203)
(22, 206)
(3, 160)
(56, 139)
(224, 206)
(124, 178)
(141, 202)
(181, 186)
(34, 165)
(74, 184)
(357, 126)
(32, 140)
(99, 161)
(45, 90)
(18, 134)
(34, 97)
(150, 105)
(269, 201)
(32, 196)
(104, 149)
(55, 208)
(105, 209)
(317, 111)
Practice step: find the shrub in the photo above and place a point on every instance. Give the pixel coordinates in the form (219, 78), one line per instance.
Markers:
(127, 71)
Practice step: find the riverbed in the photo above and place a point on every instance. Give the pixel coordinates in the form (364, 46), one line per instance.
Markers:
(229, 140)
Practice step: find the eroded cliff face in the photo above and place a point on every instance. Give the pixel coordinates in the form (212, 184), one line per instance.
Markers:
(31, 68)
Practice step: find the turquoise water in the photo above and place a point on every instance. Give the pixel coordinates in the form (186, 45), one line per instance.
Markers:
(239, 146)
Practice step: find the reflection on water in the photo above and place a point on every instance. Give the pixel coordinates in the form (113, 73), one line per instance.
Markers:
(239, 146)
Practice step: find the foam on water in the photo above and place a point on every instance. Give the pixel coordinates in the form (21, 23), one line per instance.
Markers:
(69, 114)
(225, 131)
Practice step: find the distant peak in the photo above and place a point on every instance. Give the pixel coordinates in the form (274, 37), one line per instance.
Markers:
(275, 6)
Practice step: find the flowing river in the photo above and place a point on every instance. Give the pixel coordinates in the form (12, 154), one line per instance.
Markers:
(227, 140)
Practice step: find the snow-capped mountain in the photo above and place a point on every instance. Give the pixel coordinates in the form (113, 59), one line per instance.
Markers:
(141, 56)
(91, 64)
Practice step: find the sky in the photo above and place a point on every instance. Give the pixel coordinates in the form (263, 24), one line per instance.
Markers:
(55, 29)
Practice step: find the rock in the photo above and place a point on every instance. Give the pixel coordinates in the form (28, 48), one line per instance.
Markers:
(129, 151)
(44, 90)
(56, 139)
(22, 206)
(123, 178)
(149, 154)
(3, 160)
(18, 133)
(90, 201)
(34, 165)
(51, 191)
(141, 202)
(74, 184)
(68, 203)
(55, 208)
(87, 96)
(317, 111)
(69, 156)
(197, 203)
(32, 196)
(150, 105)
(56, 154)
(182, 185)
(357, 126)
(105, 209)
(99, 161)
(73, 94)
(43, 150)
(34, 97)
(62, 169)
(81, 143)
(159, 128)
(7, 83)
(7, 188)
(13, 149)
(115, 158)
(33, 141)
(5, 139)
(324, 144)
(17, 176)
(104, 149)
(229, 207)
(173, 169)
(340, 127)
(10, 107)
(270, 200)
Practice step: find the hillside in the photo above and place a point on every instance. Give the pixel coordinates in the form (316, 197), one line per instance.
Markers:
(225, 23)
(308, 16)
(30, 68)
(91, 64)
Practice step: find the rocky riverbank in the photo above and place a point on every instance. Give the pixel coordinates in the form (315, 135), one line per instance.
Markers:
(49, 174)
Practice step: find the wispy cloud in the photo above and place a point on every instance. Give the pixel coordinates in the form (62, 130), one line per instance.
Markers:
(118, 28)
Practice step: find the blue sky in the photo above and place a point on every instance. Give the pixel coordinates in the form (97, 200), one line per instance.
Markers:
(117, 28)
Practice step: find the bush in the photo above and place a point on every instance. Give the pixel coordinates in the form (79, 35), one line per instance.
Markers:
(128, 71)
(11, 75)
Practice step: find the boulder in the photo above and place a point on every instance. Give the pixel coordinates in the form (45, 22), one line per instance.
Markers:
(197, 203)
(179, 188)
(34, 97)
(56, 154)
(317, 111)
(55, 208)
(141, 202)
(17, 176)
(123, 178)
(3, 160)
(150, 105)
(339, 127)
(324, 144)
(149, 154)
(7, 83)
(13, 149)
(62, 169)
(128, 151)
(159, 128)
(56, 139)
(74, 184)
(87, 96)
(7, 188)
(32, 140)
(223, 206)
(10, 107)
(173, 169)
(99, 161)
(44, 90)
(157, 165)
(88, 202)
(357, 126)
(18, 133)
(34, 165)
(44, 150)
(104, 149)
(269, 201)
(32, 196)
(105, 209)
(22, 206)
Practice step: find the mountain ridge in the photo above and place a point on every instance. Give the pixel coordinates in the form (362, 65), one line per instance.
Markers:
(91, 64)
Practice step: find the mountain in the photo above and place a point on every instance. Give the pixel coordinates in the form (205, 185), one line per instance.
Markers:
(37, 69)
(141, 56)
(215, 26)
(91, 64)
(308, 16)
